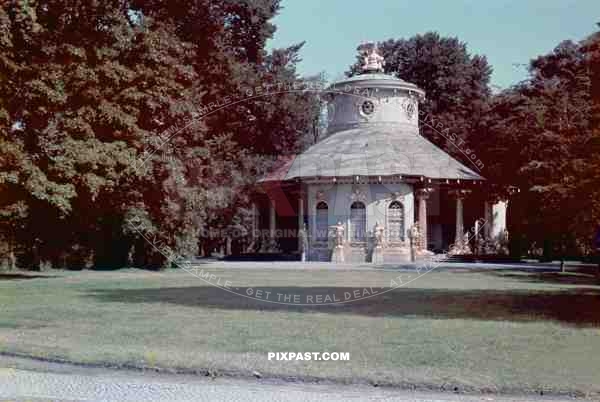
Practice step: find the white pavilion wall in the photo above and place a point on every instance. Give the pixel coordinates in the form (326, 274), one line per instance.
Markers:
(376, 197)
(390, 106)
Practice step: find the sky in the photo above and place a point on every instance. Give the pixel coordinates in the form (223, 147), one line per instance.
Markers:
(509, 32)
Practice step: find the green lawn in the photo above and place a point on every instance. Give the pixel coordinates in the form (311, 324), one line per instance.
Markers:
(501, 331)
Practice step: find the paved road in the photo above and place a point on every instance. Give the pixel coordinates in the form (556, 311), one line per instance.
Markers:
(105, 386)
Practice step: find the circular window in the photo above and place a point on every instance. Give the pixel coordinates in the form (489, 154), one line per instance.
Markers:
(367, 107)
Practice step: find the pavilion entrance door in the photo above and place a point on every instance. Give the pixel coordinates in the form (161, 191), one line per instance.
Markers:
(395, 222)
(358, 221)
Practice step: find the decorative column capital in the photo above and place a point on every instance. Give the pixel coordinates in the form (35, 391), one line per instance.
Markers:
(423, 193)
(459, 193)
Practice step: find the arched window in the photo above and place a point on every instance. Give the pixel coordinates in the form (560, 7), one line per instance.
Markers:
(358, 221)
(395, 221)
(322, 223)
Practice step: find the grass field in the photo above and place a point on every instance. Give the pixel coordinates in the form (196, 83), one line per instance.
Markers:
(497, 331)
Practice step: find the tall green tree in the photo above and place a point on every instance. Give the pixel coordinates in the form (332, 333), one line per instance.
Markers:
(456, 84)
(539, 136)
(91, 88)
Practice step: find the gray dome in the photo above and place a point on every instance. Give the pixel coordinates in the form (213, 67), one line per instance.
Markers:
(375, 151)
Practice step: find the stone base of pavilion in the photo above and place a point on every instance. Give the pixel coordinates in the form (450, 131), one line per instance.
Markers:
(394, 255)
(377, 255)
(391, 255)
(460, 249)
(352, 254)
(338, 255)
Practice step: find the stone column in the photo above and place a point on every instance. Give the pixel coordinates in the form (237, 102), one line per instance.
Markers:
(348, 228)
(498, 236)
(460, 226)
(423, 196)
(477, 239)
(498, 223)
(311, 204)
(300, 223)
(495, 230)
(461, 247)
(272, 227)
(255, 227)
(489, 220)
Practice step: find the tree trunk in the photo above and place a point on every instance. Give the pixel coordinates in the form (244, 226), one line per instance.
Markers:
(598, 268)
(228, 246)
(563, 251)
(12, 259)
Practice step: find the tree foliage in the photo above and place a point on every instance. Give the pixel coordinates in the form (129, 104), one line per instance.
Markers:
(455, 82)
(90, 89)
(542, 136)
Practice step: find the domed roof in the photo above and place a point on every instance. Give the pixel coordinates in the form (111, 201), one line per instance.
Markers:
(386, 146)
(374, 80)
(375, 151)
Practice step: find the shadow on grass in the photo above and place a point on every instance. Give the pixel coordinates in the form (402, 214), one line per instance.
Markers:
(15, 276)
(576, 307)
(580, 276)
